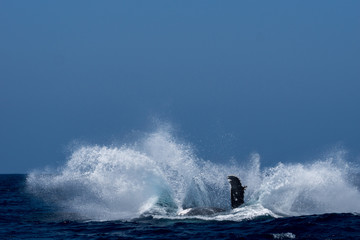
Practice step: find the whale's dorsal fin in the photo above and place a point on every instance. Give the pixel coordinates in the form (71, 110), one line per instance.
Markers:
(237, 191)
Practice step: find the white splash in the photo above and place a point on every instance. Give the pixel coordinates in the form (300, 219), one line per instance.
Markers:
(161, 176)
(319, 187)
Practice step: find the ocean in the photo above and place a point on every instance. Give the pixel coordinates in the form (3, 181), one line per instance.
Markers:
(135, 191)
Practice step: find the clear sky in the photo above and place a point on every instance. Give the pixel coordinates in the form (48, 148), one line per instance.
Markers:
(280, 78)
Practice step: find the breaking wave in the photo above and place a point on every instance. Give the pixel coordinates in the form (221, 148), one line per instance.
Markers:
(160, 176)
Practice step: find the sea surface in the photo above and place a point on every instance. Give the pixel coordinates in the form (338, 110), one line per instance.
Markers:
(137, 191)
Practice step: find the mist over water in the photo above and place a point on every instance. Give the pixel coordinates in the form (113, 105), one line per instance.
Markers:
(160, 175)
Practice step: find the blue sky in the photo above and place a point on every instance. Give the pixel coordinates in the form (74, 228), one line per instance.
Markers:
(280, 78)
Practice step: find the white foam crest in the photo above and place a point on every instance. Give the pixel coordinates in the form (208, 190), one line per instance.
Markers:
(287, 235)
(315, 188)
(246, 212)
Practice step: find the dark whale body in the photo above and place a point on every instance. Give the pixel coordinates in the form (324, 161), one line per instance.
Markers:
(237, 191)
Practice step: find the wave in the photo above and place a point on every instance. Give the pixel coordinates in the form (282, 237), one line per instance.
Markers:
(160, 176)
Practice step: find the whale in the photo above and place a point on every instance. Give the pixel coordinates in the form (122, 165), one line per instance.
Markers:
(237, 199)
(237, 191)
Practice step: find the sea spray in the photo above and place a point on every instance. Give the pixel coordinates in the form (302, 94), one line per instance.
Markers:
(313, 188)
(160, 176)
(156, 175)
(102, 183)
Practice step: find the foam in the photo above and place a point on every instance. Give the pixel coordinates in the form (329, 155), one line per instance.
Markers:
(159, 175)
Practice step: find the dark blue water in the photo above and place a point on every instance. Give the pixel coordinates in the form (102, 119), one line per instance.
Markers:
(24, 216)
